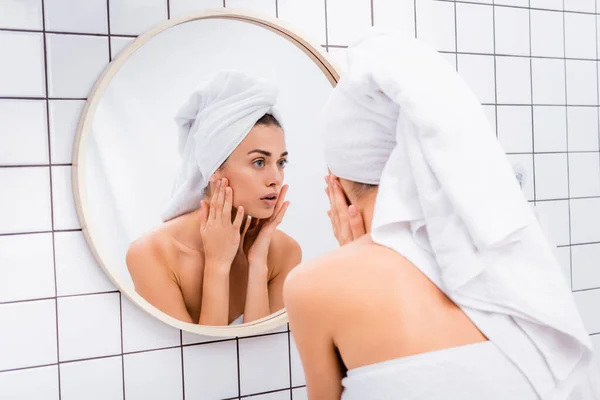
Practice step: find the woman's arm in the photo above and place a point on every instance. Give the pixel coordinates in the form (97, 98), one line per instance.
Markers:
(215, 295)
(257, 294)
(287, 254)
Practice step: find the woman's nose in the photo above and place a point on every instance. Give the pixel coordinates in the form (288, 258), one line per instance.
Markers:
(275, 177)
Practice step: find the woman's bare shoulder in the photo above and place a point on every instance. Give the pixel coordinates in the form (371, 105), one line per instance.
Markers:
(156, 247)
(284, 251)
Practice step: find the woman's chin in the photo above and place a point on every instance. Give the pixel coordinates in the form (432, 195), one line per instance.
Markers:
(260, 213)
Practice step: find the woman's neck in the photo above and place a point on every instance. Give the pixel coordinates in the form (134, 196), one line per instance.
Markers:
(366, 207)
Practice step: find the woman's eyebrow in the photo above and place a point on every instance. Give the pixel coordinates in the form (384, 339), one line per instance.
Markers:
(266, 153)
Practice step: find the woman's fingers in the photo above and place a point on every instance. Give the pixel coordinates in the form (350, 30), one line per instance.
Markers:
(357, 224)
(239, 217)
(280, 200)
(203, 214)
(220, 199)
(228, 205)
(213, 201)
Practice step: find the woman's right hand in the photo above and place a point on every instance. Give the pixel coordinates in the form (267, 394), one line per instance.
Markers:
(346, 221)
(220, 236)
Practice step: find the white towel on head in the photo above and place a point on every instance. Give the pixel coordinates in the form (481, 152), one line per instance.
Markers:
(212, 123)
(440, 168)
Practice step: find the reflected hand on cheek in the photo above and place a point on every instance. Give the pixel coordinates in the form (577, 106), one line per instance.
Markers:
(346, 221)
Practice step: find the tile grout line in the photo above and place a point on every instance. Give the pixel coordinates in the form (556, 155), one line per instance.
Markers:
(182, 367)
(415, 16)
(108, 30)
(239, 378)
(456, 37)
(168, 9)
(495, 66)
(532, 113)
(517, 7)
(122, 347)
(326, 28)
(289, 341)
(276, 8)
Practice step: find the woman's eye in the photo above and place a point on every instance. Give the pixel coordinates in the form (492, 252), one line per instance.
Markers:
(259, 163)
(283, 163)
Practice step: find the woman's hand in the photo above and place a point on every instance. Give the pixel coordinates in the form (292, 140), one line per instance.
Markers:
(220, 236)
(259, 233)
(346, 221)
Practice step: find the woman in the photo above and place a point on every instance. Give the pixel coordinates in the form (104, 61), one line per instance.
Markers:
(443, 286)
(218, 259)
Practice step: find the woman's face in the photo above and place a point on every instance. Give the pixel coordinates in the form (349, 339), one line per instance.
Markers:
(255, 170)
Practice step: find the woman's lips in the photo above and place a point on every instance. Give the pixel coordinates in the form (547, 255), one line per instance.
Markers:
(270, 202)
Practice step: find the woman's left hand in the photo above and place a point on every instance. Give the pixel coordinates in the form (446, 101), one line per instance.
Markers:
(261, 231)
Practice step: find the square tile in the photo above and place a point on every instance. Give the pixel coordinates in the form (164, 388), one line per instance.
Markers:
(24, 138)
(584, 174)
(264, 363)
(523, 164)
(298, 378)
(64, 117)
(308, 16)
(100, 379)
(551, 178)
(582, 83)
(548, 81)
(490, 113)
(512, 31)
(300, 394)
(564, 258)
(547, 4)
(76, 270)
(154, 375)
(585, 221)
(210, 370)
(347, 21)
(549, 129)
(392, 14)
(142, 331)
(263, 7)
(76, 16)
(586, 269)
(88, 53)
(478, 72)
(556, 216)
(192, 338)
(21, 14)
(547, 36)
(183, 7)
(118, 44)
(441, 15)
(89, 326)
(588, 6)
(475, 28)
(580, 35)
(513, 80)
(583, 128)
(132, 17)
(27, 270)
(280, 395)
(25, 201)
(22, 67)
(28, 334)
(515, 129)
(516, 3)
(587, 303)
(65, 216)
(36, 383)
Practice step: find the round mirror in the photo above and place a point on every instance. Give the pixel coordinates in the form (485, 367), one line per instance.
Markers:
(222, 95)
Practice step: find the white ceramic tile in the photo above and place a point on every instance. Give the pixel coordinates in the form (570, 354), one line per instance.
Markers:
(300, 394)
(100, 379)
(550, 128)
(28, 334)
(24, 137)
(22, 66)
(586, 269)
(263, 7)
(583, 128)
(88, 53)
(517, 3)
(183, 7)
(307, 16)
(392, 14)
(580, 5)
(490, 113)
(547, 38)
(153, 375)
(65, 216)
(547, 4)
(556, 216)
(478, 72)
(27, 270)
(28, 384)
(142, 331)
(25, 200)
(512, 31)
(88, 326)
(280, 395)
(76, 16)
(298, 378)
(551, 179)
(587, 303)
(475, 28)
(210, 370)
(523, 164)
(564, 257)
(580, 35)
(64, 117)
(21, 14)
(441, 14)
(76, 270)
(337, 56)
(581, 83)
(450, 58)
(513, 80)
(192, 338)
(264, 363)
(132, 17)
(481, 1)
(548, 81)
(347, 21)
(584, 174)
(585, 221)
(118, 44)
(514, 129)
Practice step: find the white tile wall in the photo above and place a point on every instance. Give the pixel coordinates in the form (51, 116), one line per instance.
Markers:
(57, 305)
